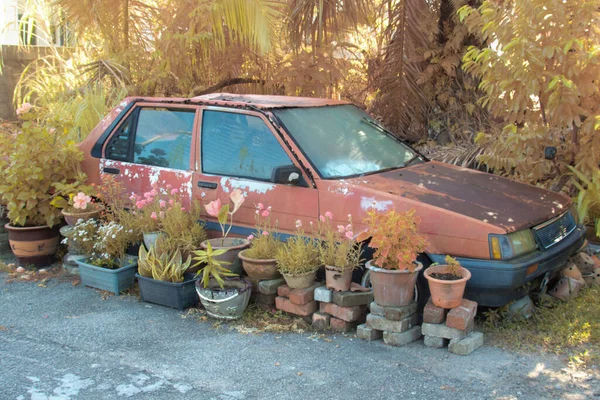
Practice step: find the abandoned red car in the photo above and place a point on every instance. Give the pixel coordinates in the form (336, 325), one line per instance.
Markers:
(305, 156)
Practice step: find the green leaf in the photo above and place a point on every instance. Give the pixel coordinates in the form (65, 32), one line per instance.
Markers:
(223, 214)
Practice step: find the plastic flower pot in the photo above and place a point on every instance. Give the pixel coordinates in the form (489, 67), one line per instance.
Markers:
(337, 280)
(34, 245)
(392, 287)
(300, 281)
(227, 303)
(446, 293)
(258, 269)
(112, 280)
(234, 246)
(179, 295)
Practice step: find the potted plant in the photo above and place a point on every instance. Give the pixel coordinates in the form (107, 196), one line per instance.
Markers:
(447, 283)
(109, 267)
(233, 245)
(79, 206)
(259, 260)
(149, 210)
(298, 259)
(33, 162)
(162, 276)
(221, 297)
(394, 269)
(338, 251)
(80, 240)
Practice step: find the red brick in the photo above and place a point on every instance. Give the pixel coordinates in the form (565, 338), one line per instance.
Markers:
(298, 296)
(348, 314)
(433, 314)
(320, 321)
(342, 326)
(304, 310)
(462, 316)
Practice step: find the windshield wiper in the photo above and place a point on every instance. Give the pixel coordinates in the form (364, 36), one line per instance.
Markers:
(416, 157)
(375, 124)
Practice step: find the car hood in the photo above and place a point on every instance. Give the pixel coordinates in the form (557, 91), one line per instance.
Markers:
(489, 198)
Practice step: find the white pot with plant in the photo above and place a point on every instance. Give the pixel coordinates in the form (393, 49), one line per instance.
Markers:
(259, 260)
(232, 246)
(298, 259)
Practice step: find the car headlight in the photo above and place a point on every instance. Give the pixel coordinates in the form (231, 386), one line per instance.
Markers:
(505, 247)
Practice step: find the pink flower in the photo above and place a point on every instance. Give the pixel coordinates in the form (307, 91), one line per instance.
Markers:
(80, 201)
(25, 107)
(298, 224)
(133, 197)
(169, 186)
(257, 212)
(174, 191)
(153, 192)
(213, 207)
(140, 204)
(329, 215)
(260, 206)
(171, 202)
(153, 215)
(322, 218)
(182, 208)
(237, 198)
(341, 228)
(349, 234)
(148, 195)
(265, 233)
(250, 237)
(348, 227)
(265, 213)
(162, 204)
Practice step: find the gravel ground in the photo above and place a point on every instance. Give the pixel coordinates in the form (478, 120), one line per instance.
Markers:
(70, 342)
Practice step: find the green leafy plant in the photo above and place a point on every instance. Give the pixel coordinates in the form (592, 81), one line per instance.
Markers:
(36, 164)
(264, 242)
(299, 255)
(338, 248)
(453, 265)
(395, 238)
(211, 267)
(588, 199)
(162, 265)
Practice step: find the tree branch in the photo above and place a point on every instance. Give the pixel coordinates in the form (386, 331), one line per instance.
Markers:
(197, 91)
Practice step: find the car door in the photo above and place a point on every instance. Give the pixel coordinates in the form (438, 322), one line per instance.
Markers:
(240, 149)
(153, 145)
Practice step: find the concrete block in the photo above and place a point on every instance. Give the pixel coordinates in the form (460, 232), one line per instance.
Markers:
(462, 316)
(351, 299)
(466, 346)
(323, 294)
(404, 338)
(270, 286)
(320, 321)
(393, 313)
(382, 324)
(441, 330)
(433, 314)
(303, 310)
(348, 314)
(366, 333)
(435, 342)
(265, 298)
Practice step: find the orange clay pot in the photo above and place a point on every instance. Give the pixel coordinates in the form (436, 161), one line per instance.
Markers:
(392, 287)
(258, 269)
(446, 294)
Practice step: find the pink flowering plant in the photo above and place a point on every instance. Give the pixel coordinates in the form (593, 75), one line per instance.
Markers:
(299, 255)
(264, 242)
(223, 212)
(337, 249)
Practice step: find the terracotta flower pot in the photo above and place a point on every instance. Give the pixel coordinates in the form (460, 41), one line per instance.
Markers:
(393, 288)
(446, 294)
(258, 269)
(72, 218)
(337, 280)
(33, 244)
(300, 281)
(234, 246)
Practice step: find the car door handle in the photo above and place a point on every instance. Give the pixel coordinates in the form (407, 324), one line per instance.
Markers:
(114, 171)
(207, 185)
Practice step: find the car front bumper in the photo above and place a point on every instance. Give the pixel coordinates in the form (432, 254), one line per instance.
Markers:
(495, 283)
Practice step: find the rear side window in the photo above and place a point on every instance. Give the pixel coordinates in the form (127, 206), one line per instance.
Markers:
(239, 145)
(162, 138)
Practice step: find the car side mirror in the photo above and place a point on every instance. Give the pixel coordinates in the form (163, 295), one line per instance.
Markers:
(286, 174)
(550, 153)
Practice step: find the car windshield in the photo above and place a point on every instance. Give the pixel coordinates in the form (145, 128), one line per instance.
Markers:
(343, 141)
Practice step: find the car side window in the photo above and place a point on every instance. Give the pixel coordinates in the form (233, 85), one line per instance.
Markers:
(239, 145)
(163, 138)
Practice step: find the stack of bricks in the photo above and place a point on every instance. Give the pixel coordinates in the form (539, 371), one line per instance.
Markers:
(452, 328)
(340, 311)
(397, 325)
(265, 293)
(299, 302)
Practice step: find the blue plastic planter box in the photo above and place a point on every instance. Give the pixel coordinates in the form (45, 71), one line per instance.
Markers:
(179, 295)
(112, 280)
